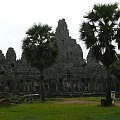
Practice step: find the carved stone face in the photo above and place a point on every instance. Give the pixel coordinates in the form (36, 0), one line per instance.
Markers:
(11, 55)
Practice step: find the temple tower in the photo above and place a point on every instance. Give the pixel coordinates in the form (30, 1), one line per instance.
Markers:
(69, 50)
(2, 58)
(11, 57)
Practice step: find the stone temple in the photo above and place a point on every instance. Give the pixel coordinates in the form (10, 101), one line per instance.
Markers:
(70, 73)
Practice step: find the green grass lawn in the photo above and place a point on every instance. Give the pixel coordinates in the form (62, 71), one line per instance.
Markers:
(49, 111)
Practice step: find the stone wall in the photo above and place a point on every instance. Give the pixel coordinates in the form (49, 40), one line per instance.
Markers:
(70, 73)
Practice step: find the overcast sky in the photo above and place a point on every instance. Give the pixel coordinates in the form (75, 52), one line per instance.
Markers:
(16, 16)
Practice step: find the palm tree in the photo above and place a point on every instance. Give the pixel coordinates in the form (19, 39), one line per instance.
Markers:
(40, 49)
(100, 32)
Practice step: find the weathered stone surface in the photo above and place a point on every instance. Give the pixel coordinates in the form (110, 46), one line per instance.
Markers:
(70, 73)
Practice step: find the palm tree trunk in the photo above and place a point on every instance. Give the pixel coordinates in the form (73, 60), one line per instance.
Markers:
(42, 90)
(108, 88)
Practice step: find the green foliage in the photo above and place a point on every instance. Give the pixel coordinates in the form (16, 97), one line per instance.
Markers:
(40, 47)
(100, 30)
(46, 111)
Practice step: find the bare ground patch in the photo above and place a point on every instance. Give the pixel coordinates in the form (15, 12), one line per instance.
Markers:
(77, 102)
(83, 102)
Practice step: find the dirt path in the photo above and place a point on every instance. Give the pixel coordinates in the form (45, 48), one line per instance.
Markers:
(83, 102)
(77, 102)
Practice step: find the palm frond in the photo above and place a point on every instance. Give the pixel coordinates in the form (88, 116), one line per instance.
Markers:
(100, 30)
(39, 46)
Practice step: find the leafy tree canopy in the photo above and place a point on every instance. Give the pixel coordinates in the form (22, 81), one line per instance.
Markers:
(39, 46)
(100, 32)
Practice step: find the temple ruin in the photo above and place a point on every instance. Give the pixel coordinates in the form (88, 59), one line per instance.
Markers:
(70, 73)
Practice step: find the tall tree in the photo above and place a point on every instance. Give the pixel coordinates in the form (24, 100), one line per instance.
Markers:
(40, 49)
(100, 32)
